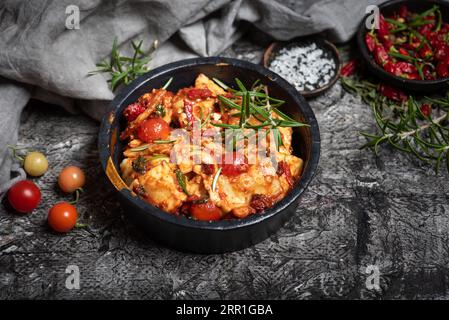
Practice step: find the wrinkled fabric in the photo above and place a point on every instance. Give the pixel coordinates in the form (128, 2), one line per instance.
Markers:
(41, 58)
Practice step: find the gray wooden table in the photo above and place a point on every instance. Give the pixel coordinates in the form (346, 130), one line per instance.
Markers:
(361, 214)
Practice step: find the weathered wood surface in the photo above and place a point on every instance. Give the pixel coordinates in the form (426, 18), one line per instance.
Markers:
(360, 210)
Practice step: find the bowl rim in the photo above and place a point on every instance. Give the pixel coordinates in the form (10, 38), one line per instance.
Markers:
(277, 45)
(369, 58)
(308, 172)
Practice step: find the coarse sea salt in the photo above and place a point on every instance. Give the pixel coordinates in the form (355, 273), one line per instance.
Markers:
(306, 66)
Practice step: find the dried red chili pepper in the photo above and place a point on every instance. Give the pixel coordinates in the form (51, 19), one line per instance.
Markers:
(441, 51)
(426, 30)
(370, 42)
(380, 55)
(349, 68)
(284, 169)
(392, 93)
(442, 69)
(426, 109)
(403, 52)
(195, 93)
(406, 67)
(132, 111)
(384, 28)
(403, 11)
(413, 76)
(425, 52)
(188, 109)
(427, 72)
(390, 67)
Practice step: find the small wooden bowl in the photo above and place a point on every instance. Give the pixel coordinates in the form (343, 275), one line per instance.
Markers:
(273, 49)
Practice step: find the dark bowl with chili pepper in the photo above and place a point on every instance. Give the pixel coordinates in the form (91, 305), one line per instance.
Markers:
(181, 232)
(410, 49)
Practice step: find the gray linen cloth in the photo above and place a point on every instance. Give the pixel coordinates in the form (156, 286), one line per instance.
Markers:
(41, 58)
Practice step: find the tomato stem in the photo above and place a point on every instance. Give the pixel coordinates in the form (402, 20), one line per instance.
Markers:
(14, 150)
(77, 196)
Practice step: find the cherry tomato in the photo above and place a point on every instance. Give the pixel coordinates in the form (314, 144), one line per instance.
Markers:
(153, 129)
(62, 217)
(24, 196)
(35, 164)
(207, 211)
(238, 164)
(71, 178)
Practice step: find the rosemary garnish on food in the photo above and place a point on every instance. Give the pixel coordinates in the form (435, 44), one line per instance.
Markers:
(140, 165)
(181, 181)
(257, 103)
(123, 69)
(160, 110)
(164, 141)
(215, 180)
(145, 146)
(419, 127)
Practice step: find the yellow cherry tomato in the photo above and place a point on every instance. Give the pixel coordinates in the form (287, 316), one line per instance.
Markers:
(70, 179)
(35, 164)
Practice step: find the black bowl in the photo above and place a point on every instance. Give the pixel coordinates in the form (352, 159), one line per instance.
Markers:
(201, 236)
(389, 8)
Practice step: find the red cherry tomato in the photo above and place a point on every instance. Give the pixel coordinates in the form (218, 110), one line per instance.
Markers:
(153, 129)
(62, 217)
(24, 196)
(234, 166)
(207, 211)
(71, 178)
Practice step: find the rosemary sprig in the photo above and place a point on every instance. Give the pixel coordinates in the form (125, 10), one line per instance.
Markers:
(142, 147)
(181, 181)
(404, 126)
(160, 110)
(164, 141)
(256, 102)
(123, 69)
(215, 180)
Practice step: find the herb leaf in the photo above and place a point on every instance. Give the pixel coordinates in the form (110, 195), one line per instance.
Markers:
(215, 180)
(181, 181)
(122, 69)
